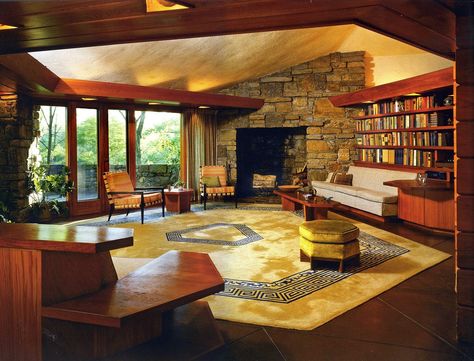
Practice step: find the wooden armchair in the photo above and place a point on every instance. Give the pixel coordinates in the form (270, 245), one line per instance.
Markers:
(122, 195)
(213, 183)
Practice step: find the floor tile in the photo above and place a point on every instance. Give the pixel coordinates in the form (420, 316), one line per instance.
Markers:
(309, 347)
(255, 347)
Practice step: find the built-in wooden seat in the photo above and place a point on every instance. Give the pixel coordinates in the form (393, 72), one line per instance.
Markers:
(174, 279)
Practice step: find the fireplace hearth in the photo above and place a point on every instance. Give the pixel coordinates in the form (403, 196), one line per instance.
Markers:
(268, 151)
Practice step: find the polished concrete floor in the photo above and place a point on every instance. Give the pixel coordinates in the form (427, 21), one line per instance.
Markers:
(415, 320)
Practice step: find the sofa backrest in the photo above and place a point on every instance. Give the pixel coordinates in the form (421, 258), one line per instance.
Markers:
(373, 178)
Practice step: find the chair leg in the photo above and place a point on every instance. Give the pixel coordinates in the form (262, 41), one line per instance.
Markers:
(142, 210)
(128, 210)
(235, 200)
(341, 266)
(112, 207)
(163, 209)
(205, 200)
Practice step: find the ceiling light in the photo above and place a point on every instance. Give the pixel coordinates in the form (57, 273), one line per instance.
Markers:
(88, 99)
(368, 102)
(412, 94)
(165, 5)
(8, 96)
(203, 107)
(154, 103)
(7, 27)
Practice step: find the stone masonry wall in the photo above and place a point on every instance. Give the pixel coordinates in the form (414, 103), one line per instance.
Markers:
(16, 136)
(295, 97)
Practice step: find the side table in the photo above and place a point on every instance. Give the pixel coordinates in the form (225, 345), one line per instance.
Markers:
(178, 200)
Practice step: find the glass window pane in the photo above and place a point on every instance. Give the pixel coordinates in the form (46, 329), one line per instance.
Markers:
(117, 140)
(86, 122)
(49, 149)
(158, 148)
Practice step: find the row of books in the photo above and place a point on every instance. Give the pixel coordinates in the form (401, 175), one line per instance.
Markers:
(419, 139)
(420, 120)
(409, 157)
(402, 105)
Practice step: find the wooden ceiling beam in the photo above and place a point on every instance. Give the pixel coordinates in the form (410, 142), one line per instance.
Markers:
(85, 88)
(421, 83)
(22, 71)
(425, 24)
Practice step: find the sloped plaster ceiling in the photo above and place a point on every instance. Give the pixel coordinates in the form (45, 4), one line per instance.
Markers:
(209, 63)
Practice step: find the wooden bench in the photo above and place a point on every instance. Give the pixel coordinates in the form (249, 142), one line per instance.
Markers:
(129, 311)
(61, 280)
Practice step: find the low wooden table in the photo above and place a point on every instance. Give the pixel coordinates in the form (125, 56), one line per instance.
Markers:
(430, 204)
(178, 200)
(316, 208)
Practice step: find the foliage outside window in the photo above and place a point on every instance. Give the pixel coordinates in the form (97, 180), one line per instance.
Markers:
(158, 148)
(117, 140)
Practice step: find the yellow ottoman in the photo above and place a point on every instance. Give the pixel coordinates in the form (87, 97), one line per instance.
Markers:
(329, 240)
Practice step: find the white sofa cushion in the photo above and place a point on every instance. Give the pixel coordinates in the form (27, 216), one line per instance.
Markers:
(376, 196)
(373, 178)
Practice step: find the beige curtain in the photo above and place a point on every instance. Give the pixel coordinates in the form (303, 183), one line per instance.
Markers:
(198, 144)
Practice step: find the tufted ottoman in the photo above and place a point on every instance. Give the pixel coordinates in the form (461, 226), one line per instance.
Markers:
(329, 240)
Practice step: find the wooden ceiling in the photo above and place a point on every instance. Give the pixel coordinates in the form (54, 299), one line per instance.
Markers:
(47, 25)
(44, 25)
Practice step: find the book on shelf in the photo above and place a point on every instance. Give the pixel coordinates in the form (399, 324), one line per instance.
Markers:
(402, 105)
(414, 139)
(408, 157)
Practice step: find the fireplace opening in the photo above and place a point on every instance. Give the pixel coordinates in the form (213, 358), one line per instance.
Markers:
(275, 152)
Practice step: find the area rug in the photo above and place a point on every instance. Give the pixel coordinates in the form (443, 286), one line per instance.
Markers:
(257, 253)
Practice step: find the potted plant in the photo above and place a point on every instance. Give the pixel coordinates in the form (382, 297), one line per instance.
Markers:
(47, 189)
(4, 213)
(179, 184)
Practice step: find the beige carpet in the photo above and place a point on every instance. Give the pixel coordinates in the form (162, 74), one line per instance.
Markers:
(272, 256)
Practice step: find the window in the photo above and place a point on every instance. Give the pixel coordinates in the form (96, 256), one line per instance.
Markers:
(158, 148)
(48, 151)
(117, 140)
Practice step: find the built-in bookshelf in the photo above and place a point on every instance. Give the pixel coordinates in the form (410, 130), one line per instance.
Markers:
(406, 125)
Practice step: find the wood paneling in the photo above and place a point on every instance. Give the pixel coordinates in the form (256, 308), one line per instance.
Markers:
(465, 66)
(46, 26)
(173, 279)
(434, 80)
(20, 300)
(465, 250)
(465, 316)
(465, 287)
(411, 206)
(439, 209)
(465, 102)
(60, 238)
(104, 89)
(465, 139)
(465, 213)
(465, 176)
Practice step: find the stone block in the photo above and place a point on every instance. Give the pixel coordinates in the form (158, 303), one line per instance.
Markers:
(317, 146)
(313, 130)
(299, 102)
(316, 164)
(324, 106)
(291, 90)
(221, 151)
(306, 83)
(333, 77)
(343, 154)
(257, 116)
(254, 85)
(301, 71)
(271, 90)
(255, 93)
(340, 64)
(329, 130)
(276, 79)
(317, 175)
(267, 108)
(284, 107)
(333, 86)
(314, 137)
(227, 135)
(355, 64)
(350, 54)
(277, 99)
(356, 70)
(323, 61)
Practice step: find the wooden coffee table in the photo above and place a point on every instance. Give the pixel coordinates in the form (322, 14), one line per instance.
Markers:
(178, 200)
(316, 208)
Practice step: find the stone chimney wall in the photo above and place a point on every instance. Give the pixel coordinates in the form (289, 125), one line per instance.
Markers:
(295, 97)
(16, 136)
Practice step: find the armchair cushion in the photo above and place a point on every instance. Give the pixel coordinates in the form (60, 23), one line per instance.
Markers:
(211, 181)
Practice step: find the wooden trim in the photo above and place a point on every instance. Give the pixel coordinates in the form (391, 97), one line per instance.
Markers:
(104, 89)
(404, 147)
(346, 208)
(400, 167)
(402, 130)
(421, 83)
(28, 73)
(384, 115)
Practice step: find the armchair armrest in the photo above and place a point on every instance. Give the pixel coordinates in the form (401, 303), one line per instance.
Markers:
(151, 189)
(130, 192)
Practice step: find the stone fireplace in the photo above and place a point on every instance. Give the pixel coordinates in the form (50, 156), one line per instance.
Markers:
(298, 114)
(268, 151)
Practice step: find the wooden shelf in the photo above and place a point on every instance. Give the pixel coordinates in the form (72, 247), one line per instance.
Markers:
(402, 130)
(406, 168)
(404, 147)
(417, 111)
